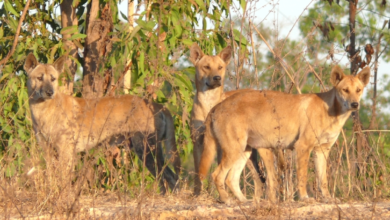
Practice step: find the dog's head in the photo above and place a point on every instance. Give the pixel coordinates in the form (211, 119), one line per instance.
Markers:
(349, 88)
(210, 70)
(42, 80)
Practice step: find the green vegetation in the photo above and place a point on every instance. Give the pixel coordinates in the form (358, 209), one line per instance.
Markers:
(153, 43)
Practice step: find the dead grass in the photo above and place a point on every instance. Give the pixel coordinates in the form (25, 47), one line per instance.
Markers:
(113, 205)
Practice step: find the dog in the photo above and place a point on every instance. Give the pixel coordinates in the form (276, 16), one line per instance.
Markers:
(209, 80)
(268, 120)
(70, 124)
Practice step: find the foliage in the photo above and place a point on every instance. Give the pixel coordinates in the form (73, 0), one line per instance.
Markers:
(157, 48)
(160, 38)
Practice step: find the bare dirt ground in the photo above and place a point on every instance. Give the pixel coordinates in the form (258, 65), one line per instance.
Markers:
(184, 206)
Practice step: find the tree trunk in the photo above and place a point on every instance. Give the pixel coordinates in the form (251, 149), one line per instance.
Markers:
(361, 140)
(97, 46)
(68, 18)
(352, 49)
(373, 123)
(130, 18)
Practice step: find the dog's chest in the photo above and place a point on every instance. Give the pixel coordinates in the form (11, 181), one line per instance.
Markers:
(328, 137)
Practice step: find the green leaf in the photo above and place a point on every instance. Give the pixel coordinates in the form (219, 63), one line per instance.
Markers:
(201, 4)
(187, 42)
(4, 76)
(78, 36)
(135, 30)
(221, 40)
(70, 30)
(1, 32)
(243, 4)
(124, 17)
(13, 24)
(146, 25)
(182, 83)
(141, 62)
(10, 8)
(238, 37)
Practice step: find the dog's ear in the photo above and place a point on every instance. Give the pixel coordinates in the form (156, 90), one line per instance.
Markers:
(226, 54)
(195, 53)
(59, 64)
(30, 63)
(336, 76)
(364, 75)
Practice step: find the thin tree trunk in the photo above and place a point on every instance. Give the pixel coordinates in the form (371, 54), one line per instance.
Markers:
(97, 46)
(352, 49)
(130, 18)
(69, 18)
(373, 123)
(361, 140)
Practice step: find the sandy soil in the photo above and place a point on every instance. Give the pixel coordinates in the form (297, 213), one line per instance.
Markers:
(184, 206)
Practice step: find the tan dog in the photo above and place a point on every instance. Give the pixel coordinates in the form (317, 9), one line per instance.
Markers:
(209, 80)
(268, 120)
(71, 124)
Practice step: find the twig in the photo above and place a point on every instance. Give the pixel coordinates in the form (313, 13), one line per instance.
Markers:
(318, 77)
(371, 131)
(284, 65)
(113, 88)
(5, 192)
(284, 42)
(254, 55)
(3, 61)
(337, 170)
(348, 165)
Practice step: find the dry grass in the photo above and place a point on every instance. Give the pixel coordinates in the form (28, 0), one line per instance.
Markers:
(113, 205)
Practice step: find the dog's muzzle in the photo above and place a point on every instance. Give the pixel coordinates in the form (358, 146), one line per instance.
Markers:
(216, 82)
(354, 105)
(47, 94)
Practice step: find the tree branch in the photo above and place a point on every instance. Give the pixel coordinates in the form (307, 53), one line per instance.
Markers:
(3, 61)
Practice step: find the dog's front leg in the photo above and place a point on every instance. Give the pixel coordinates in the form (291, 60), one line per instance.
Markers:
(197, 152)
(321, 154)
(66, 163)
(303, 154)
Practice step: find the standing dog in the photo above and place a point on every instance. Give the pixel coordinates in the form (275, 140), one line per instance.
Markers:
(70, 124)
(268, 120)
(209, 78)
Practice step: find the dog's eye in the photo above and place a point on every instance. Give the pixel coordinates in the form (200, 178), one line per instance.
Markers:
(220, 67)
(52, 79)
(358, 90)
(40, 78)
(346, 90)
(207, 67)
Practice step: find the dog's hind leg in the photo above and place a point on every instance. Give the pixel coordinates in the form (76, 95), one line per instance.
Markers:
(267, 155)
(229, 158)
(233, 179)
(143, 149)
(167, 173)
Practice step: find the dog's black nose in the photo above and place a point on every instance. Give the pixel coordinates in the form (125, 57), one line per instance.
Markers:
(217, 78)
(49, 92)
(354, 105)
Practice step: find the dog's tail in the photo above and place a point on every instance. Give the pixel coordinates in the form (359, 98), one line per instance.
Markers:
(209, 149)
(170, 141)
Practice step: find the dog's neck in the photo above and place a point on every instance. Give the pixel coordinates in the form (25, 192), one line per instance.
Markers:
(209, 96)
(333, 106)
(47, 104)
(205, 100)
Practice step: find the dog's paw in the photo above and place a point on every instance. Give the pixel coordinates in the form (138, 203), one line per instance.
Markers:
(329, 200)
(308, 200)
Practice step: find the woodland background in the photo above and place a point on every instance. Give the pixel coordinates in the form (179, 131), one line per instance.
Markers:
(145, 54)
